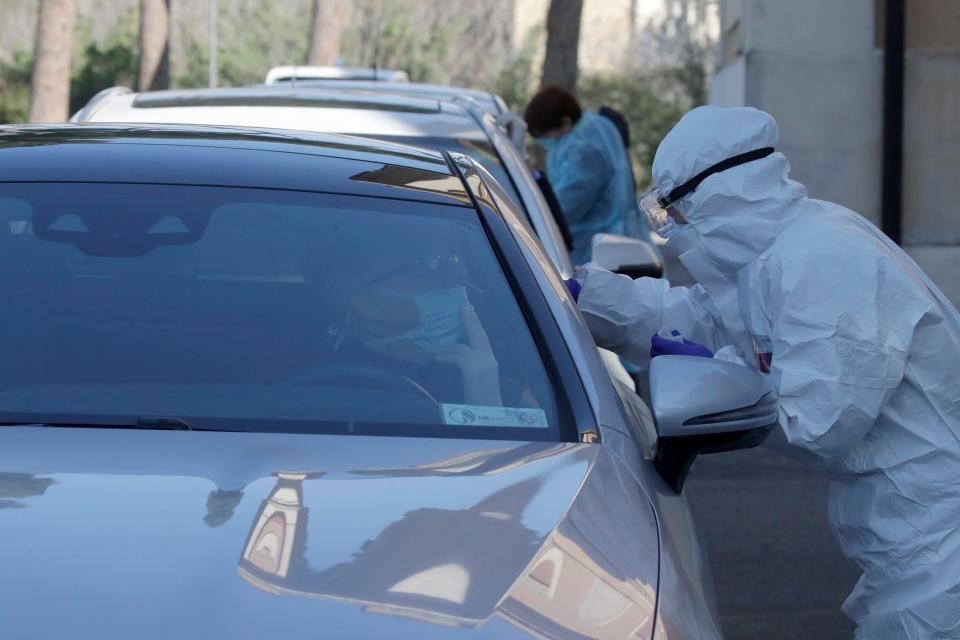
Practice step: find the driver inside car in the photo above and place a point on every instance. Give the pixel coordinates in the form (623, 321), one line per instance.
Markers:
(420, 317)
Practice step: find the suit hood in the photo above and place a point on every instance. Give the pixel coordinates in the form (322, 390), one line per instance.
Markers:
(737, 213)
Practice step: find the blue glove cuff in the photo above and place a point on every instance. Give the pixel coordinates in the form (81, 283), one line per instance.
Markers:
(664, 347)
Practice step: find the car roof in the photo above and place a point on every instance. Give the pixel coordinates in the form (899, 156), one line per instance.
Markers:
(489, 102)
(343, 111)
(226, 156)
(287, 72)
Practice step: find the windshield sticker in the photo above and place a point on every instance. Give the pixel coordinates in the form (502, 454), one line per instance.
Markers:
(466, 415)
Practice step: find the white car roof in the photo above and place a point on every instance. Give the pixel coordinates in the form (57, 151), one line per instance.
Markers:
(289, 72)
(489, 102)
(339, 111)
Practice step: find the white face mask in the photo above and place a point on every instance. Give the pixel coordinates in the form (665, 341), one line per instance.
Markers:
(682, 239)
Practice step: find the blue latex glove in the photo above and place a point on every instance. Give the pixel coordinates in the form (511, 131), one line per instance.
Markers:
(664, 347)
(573, 285)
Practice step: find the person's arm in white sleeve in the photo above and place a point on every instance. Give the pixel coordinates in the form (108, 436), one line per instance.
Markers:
(623, 314)
(841, 337)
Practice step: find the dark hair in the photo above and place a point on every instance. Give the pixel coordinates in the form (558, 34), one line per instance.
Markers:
(548, 108)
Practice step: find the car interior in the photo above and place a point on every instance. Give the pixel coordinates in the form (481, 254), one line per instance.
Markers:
(243, 305)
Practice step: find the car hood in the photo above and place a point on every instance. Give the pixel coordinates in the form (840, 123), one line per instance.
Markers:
(156, 534)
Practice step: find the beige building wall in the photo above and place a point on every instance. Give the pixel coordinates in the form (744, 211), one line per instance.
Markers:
(607, 29)
(817, 66)
(813, 65)
(932, 124)
(528, 17)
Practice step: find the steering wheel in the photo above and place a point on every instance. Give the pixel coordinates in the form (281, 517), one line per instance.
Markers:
(390, 380)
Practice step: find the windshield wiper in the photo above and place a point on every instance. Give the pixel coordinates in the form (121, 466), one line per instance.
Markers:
(163, 423)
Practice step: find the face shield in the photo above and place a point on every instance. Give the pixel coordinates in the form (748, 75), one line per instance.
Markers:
(663, 218)
(658, 206)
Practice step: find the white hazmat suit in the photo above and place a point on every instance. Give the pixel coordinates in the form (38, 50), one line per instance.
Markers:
(863, 349)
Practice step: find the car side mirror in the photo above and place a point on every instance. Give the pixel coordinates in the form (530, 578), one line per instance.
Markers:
(628, 256)
(704, 405)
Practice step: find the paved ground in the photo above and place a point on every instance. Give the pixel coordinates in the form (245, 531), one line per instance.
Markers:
(778, 571)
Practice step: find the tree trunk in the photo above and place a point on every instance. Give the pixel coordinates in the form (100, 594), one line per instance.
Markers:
(154, 45)
(326, 27)
(50, 87)
(563, 42)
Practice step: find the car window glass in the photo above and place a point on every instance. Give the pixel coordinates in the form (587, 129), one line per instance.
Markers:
(262, 310)
(640, 419)
(480, 151)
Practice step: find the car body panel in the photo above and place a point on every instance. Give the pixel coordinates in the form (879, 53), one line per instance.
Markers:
(252, 96)
(128, 545)
(509, 539)
(687, 607)
(379, 113)
(489, 102)
(596, 380)
(335, 74)
(226, 157)
(355, 113)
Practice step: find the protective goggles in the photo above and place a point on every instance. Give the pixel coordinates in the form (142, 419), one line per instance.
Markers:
(658, 207)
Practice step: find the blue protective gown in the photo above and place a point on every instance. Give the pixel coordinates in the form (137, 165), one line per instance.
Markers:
(590, 173)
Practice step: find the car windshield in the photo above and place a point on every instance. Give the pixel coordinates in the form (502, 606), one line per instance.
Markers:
(261, 310)
(480, 150)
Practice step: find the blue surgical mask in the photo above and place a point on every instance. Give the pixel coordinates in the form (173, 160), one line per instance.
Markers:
(440, 323)
(546, 143)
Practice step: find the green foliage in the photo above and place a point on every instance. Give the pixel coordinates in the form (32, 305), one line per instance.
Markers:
(649, 101)
(677, 58)
(516, 80)
(391, 35)
(683, 47)
(259, 36)
(254, 36)
(15, 88)
(196, 70)
(652, 98)
(97, 66)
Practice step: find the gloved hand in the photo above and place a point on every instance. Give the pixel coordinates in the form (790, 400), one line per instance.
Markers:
(573, 285)
(516, 128)
(660, 346)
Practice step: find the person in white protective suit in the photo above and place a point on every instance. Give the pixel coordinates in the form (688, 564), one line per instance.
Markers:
(863, 349)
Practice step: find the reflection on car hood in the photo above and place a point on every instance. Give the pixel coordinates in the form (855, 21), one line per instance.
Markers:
(193, 534)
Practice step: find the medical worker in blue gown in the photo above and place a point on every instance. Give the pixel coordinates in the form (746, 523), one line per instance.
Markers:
(587, 165)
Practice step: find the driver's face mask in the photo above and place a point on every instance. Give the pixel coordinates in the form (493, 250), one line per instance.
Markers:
(440, 323)
(408, 327)
(659, 207)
